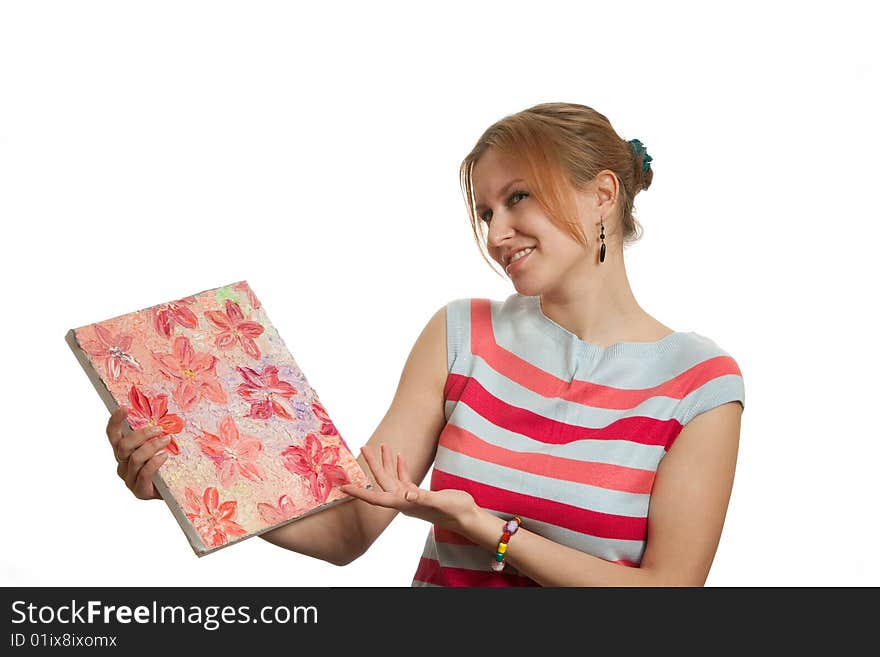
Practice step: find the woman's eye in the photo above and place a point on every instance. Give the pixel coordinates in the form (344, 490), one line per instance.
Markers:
(509, 202)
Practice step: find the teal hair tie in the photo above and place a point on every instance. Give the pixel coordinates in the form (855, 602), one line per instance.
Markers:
(639, 149)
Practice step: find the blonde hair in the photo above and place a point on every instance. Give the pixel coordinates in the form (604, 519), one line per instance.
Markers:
(562, 147)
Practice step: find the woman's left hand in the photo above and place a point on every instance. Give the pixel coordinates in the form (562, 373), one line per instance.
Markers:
(447, 508)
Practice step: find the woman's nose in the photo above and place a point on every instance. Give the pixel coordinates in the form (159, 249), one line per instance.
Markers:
(500, 230)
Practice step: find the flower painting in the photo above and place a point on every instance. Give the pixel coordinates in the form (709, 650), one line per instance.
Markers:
(251, 445)
(234, 455)
(214, 522)
(318, 463)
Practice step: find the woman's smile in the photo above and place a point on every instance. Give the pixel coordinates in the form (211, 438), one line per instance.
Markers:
(518, 262)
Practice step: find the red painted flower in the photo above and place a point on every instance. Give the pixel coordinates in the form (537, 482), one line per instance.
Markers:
(153, 411)
(113, 349)
(194, 372)
(235, 328)
(318, 463)
(233, 454)
(252, 298)
(261, 388)
(274, 514)
(212, 520)
(327, 426)
(166, 315)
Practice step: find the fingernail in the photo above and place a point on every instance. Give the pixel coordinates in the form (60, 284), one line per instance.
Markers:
(155, 431)
(411, 495)
(164, 441)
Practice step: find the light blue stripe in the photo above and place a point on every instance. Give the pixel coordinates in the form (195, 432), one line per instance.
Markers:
(458, 332)
(582, 496)
(720, 390)
(610, 549)
(581, 413)
(520, 329)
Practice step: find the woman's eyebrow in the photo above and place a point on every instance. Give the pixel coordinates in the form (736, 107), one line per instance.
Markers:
(502, 190)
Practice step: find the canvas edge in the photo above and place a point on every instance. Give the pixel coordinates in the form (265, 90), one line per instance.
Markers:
(110, 402)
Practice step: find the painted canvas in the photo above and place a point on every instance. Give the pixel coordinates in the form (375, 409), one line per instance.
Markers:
(252, 447)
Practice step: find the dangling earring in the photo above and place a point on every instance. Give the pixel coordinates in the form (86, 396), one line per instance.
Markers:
(602, 250)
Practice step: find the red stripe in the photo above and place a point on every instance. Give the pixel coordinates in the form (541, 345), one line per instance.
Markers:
(585, 521)
(638, 429)
(428, 571)
(604, 475)
(511, 366)
(431, 571)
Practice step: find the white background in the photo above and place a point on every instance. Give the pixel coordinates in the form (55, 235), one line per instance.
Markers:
(153, 150)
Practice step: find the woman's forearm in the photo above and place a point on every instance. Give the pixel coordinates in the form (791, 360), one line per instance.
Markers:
(339, 534)
(332, 535)
(551, 564)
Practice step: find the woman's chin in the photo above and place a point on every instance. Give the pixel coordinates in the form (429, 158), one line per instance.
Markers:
(525, 287)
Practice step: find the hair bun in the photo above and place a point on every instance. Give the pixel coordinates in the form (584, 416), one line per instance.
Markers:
(639, 149)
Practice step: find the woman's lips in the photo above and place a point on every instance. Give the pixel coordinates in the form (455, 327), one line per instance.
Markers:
(516, 263)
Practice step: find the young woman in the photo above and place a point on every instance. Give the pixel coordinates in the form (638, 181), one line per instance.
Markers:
(576, 440)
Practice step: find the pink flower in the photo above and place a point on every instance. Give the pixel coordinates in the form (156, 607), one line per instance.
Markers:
(252, 298)
(194, 372)
(233, 454)
(166, 315)
(214, 522)
(327, 426)
(113, 349)
(153, 411)
(274, 514)
(320, 465)
(259, 388)
(235, 328)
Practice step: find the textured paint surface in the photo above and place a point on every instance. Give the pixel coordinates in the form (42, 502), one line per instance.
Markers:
(251, 445)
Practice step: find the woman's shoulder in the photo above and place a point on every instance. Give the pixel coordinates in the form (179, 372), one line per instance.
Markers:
(709, 376)
(703, 347)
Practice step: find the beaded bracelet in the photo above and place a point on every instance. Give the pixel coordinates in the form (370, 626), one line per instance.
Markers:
(510, 528)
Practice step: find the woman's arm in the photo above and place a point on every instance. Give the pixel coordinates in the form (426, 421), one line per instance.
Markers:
(688, 504)
(411, 426)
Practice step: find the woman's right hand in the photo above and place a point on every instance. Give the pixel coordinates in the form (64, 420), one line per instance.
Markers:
(139, 455)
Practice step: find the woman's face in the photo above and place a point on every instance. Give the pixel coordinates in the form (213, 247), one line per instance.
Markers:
(515, 220)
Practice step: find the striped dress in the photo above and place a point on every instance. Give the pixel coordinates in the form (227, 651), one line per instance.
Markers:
(559, 431)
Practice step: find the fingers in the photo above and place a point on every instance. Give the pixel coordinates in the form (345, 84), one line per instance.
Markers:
(387, 460)
(379, 498)
(402, 472)
(412, 491)
(138, 455)
(143, 453)
(392, 476)
(143, 464)
(402, 499)
(144, 487)
(379, 466)
(114, 425)
(134, 441)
